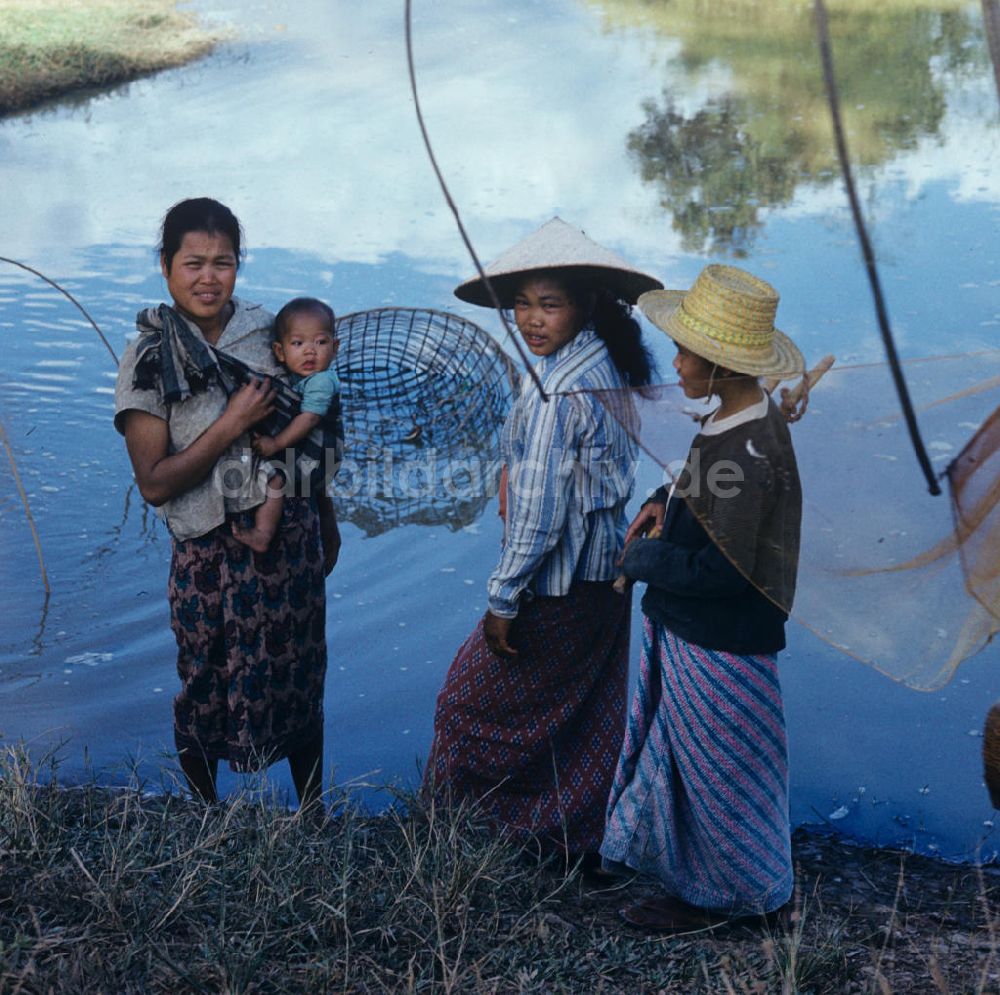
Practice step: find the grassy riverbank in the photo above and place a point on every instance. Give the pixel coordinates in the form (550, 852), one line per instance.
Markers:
(119, 890)
(52, 47)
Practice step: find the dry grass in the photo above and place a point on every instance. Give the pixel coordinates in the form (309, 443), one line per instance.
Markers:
(118, 890)
(52, 47)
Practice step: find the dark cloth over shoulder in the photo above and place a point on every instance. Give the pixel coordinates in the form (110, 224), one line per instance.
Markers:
(722, 572)
(172, 358)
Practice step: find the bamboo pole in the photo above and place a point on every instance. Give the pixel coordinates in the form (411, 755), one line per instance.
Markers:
(68, 296)
(529, 369)
(27, 508)
(991, 754)
(867, 252)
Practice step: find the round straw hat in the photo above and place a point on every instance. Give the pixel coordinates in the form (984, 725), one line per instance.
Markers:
(727, 317)
(560, 247)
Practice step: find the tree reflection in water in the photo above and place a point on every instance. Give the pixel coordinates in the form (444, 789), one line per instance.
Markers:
(715, 177)
(764, 129)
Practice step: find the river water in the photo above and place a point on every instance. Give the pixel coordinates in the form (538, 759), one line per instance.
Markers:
(673, 133)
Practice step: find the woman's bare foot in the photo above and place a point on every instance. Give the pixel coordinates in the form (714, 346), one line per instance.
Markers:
(666, 914)
(257, 539)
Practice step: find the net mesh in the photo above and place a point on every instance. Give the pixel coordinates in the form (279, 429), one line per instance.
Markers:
(424, 396)
(901, 580)
(890, 575)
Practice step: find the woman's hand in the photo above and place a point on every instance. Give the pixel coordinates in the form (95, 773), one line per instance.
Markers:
(650, 516)
(795, 400)
(253, 402)
(497, 633)
(264, 445)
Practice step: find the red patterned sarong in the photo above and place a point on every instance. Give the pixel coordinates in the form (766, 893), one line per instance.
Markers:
(536, 740)
(251, 641)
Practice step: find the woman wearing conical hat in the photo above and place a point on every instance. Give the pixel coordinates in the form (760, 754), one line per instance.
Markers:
(700, 796)
(530, 719)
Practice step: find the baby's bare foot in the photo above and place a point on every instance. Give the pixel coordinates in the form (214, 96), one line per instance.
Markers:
(256, 538)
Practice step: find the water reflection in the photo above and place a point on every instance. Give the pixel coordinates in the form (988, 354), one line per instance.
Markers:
(425, 394)
(48, 304)
(357, 219)
(764, 130)
(713, 175)
(869, 568)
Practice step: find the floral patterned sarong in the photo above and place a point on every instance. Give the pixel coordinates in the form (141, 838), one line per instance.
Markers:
(251, 641)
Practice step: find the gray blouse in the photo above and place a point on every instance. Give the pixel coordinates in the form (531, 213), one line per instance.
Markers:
(238, 481)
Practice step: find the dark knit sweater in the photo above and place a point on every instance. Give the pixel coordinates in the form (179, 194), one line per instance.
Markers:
(722, 572)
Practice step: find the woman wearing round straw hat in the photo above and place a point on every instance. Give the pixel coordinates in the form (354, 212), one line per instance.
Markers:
(531, 715)
(700, 796)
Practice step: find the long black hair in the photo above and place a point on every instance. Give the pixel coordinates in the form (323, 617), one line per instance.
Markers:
(618, 330)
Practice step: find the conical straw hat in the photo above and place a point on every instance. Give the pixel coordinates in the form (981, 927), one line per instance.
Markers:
(727, 317)
(560, 247)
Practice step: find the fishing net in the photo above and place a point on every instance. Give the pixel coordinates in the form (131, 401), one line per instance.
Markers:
(899, 579)
(424, 395)
(889, 574)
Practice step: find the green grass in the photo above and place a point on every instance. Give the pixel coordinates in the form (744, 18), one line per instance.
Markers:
(120, 890)
(52, 47)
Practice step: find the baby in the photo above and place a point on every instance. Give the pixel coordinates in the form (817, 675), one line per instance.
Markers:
(305, 343)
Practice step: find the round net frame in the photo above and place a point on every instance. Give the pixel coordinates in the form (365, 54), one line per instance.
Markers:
(424, 395)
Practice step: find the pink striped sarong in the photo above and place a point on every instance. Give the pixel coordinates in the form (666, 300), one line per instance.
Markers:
(700, 796)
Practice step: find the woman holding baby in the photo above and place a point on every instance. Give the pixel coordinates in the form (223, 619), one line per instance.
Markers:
(250, 625)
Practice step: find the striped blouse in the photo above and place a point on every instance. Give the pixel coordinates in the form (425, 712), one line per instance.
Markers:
(571, 470)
